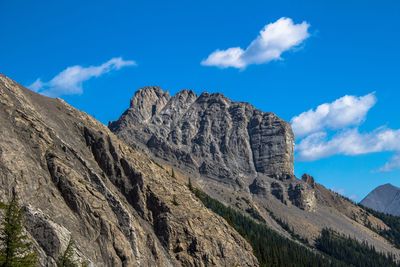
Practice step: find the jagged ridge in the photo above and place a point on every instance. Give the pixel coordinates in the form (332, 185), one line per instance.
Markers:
(244, 158)
(208, 133)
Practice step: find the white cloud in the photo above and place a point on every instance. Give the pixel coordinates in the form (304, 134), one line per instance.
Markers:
(393, 163)
(70, 80)
(345, 111)
(347, 142)
(332, 129)
(274, 39)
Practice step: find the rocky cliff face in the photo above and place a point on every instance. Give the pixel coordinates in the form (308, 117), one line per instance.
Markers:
(76, 180)
(384, 198)
(244, 158)
(209, 133)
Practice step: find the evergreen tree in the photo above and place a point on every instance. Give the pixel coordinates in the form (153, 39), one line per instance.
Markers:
(352, 252)
(393, 232)
(67, 258)
(190, 184)
(15, 248)
(274, 250)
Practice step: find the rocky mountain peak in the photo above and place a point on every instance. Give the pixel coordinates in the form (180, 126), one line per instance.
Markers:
(385, 198)
(209, 133)
(308, 179)
(148, 101)
(77, 181)
(388, 186)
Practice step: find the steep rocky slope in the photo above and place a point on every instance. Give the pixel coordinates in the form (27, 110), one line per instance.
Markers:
(76, 180)
(209, 133)
(242, 157)
(384, 198)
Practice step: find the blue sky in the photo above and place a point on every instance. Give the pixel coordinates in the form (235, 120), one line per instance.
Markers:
(343, 48)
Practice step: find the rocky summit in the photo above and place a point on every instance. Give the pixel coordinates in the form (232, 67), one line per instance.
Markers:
(384, 198)
(135, 194)
(243, 157)
(77, 181)
(209, 133)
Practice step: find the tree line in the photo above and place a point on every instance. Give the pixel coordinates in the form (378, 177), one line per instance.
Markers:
(274, 250)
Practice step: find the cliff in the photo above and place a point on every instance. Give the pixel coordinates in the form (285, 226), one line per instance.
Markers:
(209, 133)
(77, 180)
(243, 157)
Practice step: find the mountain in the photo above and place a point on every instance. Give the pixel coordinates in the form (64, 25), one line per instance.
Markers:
(243, 157)
(76, 180)
(184, 180)
(384, 198)
(209, 133)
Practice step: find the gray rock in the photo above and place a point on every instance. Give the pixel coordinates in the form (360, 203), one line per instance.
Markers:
(242, 157)
(384, 198)
(208, 133)
(277, 191)
(77, 180)
(302, 196)
(308, 179)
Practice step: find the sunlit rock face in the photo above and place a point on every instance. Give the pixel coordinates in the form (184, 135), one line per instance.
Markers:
(77, 181)
(209, 133)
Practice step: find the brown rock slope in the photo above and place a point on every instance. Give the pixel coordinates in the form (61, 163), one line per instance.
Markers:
(77, 180)
(243, 157)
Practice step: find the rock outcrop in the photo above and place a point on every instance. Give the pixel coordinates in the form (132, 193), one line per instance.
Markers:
(77, 180)
(302, 196)
(242, 157)
(208, 133)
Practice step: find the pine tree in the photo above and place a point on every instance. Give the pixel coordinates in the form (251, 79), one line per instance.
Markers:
(190, 184)
(67, 258)
(15, 248)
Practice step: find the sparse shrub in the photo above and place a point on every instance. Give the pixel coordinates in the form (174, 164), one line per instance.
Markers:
(174, 200)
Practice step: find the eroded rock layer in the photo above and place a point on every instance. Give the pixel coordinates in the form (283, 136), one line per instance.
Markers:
(77, 180)
(209, 133)
(244, 158)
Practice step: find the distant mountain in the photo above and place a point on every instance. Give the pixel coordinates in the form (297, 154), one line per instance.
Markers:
(384, 198)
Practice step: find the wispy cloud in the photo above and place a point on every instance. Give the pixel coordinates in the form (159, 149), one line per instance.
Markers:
(345, 111)
(70, 81)
(274, 39)
(333, 129)
(392, 164)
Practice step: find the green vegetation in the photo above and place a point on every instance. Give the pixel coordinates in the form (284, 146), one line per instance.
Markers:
(190, 185)
(392, 234)
(350, 251)
(288, 229)
(67, 258)
(15, 248)
(270, 248)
